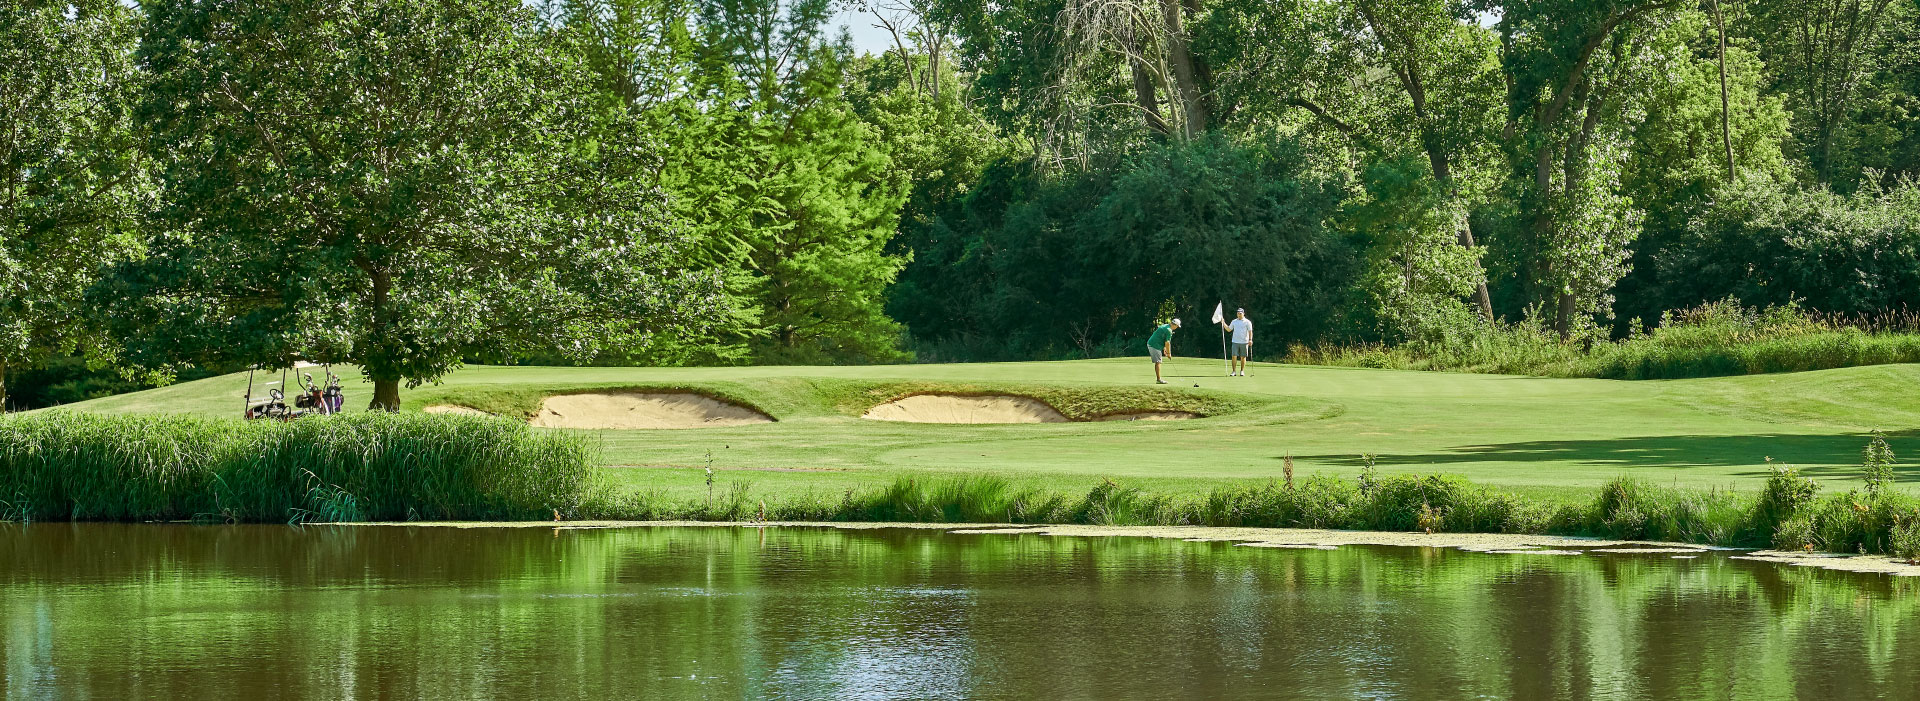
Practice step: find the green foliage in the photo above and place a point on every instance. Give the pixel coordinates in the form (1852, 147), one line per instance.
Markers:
(1416, 279)
(70, 183)
(1906, 536)
(1877, 467)
(780, 184)
(1768, 243)
(58, 466)
(312, 209)
(1785, 495)
(1025, 265)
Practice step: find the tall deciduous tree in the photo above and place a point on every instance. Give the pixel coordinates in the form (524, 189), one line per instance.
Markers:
(1822, 51)
(1570, 66)
(68, 179)
(393, 183)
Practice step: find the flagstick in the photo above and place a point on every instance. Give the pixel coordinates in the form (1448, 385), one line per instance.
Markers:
(1223, 352)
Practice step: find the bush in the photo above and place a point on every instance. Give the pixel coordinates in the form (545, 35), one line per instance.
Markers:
(1905, 540)
(1784, 495)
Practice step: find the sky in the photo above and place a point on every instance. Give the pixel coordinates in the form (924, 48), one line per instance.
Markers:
(866, 37)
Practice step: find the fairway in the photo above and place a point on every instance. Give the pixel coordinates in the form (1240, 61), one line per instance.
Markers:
(1525, 434)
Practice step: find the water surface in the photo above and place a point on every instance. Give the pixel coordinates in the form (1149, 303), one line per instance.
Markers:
(123, 611)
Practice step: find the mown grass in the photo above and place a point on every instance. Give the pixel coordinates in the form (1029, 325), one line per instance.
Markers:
(1712, 340)
(60, 466)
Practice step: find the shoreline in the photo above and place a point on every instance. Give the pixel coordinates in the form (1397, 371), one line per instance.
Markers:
(1300, 538)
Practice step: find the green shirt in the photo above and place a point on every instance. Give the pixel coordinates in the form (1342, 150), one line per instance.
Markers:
(1161, 335)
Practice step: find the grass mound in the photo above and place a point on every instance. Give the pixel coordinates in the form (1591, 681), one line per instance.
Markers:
(60, 465)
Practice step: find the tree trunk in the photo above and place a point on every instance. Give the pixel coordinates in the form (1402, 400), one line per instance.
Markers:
(1563, 318)
(386, 382)
(1143, 93)
(1726, 116)
(386, 394)
(3, 387)
(1481, 298)
(1187, 89)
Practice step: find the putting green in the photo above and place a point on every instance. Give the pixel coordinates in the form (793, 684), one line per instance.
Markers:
(1527, 434)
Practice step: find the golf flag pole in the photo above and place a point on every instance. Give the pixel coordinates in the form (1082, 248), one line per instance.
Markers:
(1219, 317)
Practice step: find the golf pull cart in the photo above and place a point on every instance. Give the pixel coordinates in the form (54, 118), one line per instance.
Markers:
(315, 398)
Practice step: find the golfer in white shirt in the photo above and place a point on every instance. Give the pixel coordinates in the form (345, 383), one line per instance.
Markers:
(1242, 342)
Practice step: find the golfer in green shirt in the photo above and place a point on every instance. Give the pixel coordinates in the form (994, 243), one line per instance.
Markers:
(1160, 346)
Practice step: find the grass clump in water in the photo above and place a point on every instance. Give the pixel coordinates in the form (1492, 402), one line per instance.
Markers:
(68, 466)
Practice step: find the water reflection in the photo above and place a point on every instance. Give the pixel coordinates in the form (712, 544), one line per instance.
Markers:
(148, 611)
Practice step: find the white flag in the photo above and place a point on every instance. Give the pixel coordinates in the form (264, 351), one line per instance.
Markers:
(1219, 318)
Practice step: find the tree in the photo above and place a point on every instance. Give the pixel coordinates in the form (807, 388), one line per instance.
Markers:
(1447, 70)
(68, 180)
(1416, 272)
(1822, 51)
(393, 183)
(825, 199)
(1571, 66)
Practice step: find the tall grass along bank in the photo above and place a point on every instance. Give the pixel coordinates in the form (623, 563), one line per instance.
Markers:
(374, 466)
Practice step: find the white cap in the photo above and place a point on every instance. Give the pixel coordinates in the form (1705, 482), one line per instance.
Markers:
(1176, 322)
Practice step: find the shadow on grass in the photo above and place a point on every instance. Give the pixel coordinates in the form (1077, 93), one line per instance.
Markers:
(1829, 456)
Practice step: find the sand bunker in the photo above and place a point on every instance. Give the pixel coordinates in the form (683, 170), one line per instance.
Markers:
(455, 409)
(1149, 416)
(955, 409)
(629, 410)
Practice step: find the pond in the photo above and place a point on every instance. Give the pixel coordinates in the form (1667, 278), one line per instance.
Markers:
(122, 611)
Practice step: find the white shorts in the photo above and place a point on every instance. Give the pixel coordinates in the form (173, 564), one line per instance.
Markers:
(1156, 354)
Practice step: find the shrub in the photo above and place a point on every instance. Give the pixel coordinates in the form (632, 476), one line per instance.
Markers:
(1795, 533)
(1785, 494)
(1905, 541)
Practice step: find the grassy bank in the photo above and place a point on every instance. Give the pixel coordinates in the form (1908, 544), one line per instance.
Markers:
(1713, 340)
(59, 466)
(1787, 513)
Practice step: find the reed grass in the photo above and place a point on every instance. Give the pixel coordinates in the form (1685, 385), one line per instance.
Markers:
(70, 466)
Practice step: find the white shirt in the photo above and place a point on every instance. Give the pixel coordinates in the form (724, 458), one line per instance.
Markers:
(1242, 330)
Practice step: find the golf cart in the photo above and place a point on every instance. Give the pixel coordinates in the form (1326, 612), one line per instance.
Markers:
(315, 398)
